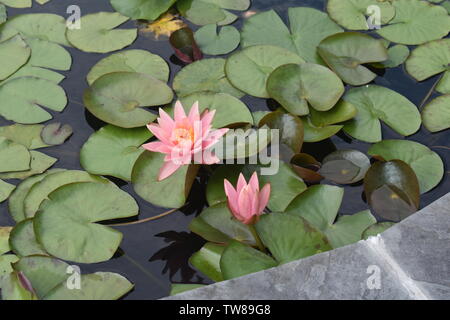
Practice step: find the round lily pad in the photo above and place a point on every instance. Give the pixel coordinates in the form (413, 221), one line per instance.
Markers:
(341, 112)
(26, 135)
(249, 69)
(375, 103)
(202, 12)
(14, 53)
(416, 22)
(23, 240)
(313, 133)
(13, 156)
(436, 114)
(131, 61)
(39, 163)
(430, 59)
(98, 34)
(56, 133)
(142, 9)
(21, 98)
(48, 54)
(29, 71)
(426, 163)
(5, 190)
(117, 98)
(66, 228)
(4, 237)
(396, 56)
(213, 43)
(18, 3)
(112, 151)
(298, 86)
(345, 166)
(207, 261)
(204, 75)
(6, 262)
(345, 53)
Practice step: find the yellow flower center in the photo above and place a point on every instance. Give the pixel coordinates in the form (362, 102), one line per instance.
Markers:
(183, 136)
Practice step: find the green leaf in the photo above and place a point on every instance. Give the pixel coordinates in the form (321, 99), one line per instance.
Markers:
(18, 3)
(15, 287)
(319, 205)
(204, 75)
(426, 163)
(296, 87)
(142, 9)
(56, 133)
(207, 261)
(13, 156)
(65, 224)
(177, 288)
(145, 181)
(249, 69)
(118, 98)
(345, 53)
(376, 229)
(3, 14)
(202, 12)
(430, 59)
(14, 53)
(6, 262)
(416, 22)
(21, 98)
(131, 61)
(239, 260)
(290, 238)
(314, 133)
(436, 114)
(39, 163)
(213, 43)
(4, 238)
(341, 112)
(375, 103)
(27, 135)
(345, 166)
(308, 28)
(23, 240)
(5, 190)
(396, 56)
(36, 72)
(98, 34)
(48, 55)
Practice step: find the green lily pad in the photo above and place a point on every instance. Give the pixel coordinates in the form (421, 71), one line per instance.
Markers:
(44, 26)
(314, 133)
(4, 238)
(308, 28)
(375, 103)
(23, 241)
(15, 286)
(117, 98)
(40, 191)
(21, 98)
(112, 151)
(36, 72)
(131, 61)
(204, 75)
(430, 59)
(249, 69)
(202, 12)
(396, 56)
(436, 114)
(376, 229)
(345, 53)
(96, 286)
(98, 33)
(26, 135)
(5, 190)
(6, 262)
(213, 43)
(39, 163)
(345, 166)
(207, 261)
(426, 163)
(3, 14)
(145, 181)
(142, 9)
(14, 53)
(55, 133)
(341, 112)
(353, 15)
(13, 156)
(216, 224)
(296, 87)
(17, 3)
(65, 224)
(177, 288)
(416, 22)
(319, 205)
(239, 260)
(290, 238)
(48, 55)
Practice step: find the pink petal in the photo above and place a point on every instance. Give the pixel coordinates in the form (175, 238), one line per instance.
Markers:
(165, 121)
(214, 137)
(232, 196)
(194, 114)
(179, 112)
(210, 158)
(207, 119)
(181, 155)
(254, 183)
(264, 197)
(241, 183)
(167, 170)
(157, 146)
(245, 204)
(163, 136)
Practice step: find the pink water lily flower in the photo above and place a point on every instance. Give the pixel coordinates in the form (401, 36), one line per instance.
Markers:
(247, 202)
(184, 139)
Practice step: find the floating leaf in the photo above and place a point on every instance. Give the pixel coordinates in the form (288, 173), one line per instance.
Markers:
(21, 98)
(145, 181)
(17, 3)
(15, 286)
(345, 166)
(4, 237)
(65, 224)
(39, 163)
(396, 56)
(376, 229)
(183, 42)
(6, 262)
(204, 75)
(427, 164)
(3, 14)
(98, 33)
(29, 71)
(375, 103)
(138, 9)
(48, 55)
(177, 288)
(296, 87)
(13, 156)
(207, 261)
(213, 43)
(416, 22)
(118, 98)
(131, 61)
(308, 28)
(319, 206)
(430, 59)
(352, 14)
(202, 12)
(249, 69)
(112, 151)
(306, 166)
(26, 135)
(314, 133)
(436, 114)
(341, 112)
(14, 53)
(5, 190)
(345, 53)
(23, 240)
(56, 133)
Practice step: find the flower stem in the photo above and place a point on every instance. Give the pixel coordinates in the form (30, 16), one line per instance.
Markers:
(257, 238)
(159, 216)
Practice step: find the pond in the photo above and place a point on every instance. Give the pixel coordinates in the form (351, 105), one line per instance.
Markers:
(155, 254)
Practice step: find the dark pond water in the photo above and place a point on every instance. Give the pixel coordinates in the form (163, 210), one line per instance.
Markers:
(152, 255)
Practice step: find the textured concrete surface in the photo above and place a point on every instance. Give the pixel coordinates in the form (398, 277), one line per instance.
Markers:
(409, 261)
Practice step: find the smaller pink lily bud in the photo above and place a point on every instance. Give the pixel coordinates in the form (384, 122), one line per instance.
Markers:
(247, 202)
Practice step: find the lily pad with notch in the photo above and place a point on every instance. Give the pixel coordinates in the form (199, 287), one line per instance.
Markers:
(26, 135)
(207, 261)
(14, 53)
(138, 9)
(216, 43)
(23, 241)
(39, 163)
(13, 156)
(436, 114)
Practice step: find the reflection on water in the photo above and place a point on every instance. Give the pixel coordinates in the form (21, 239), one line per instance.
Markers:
(154, 254)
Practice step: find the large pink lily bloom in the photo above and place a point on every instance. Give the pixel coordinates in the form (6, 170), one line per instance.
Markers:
(184, 139)
(247, 202)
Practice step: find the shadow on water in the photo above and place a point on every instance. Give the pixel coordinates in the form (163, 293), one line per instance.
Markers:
(156, 253)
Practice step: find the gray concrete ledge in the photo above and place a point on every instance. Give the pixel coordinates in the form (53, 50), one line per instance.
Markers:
(409, 261)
